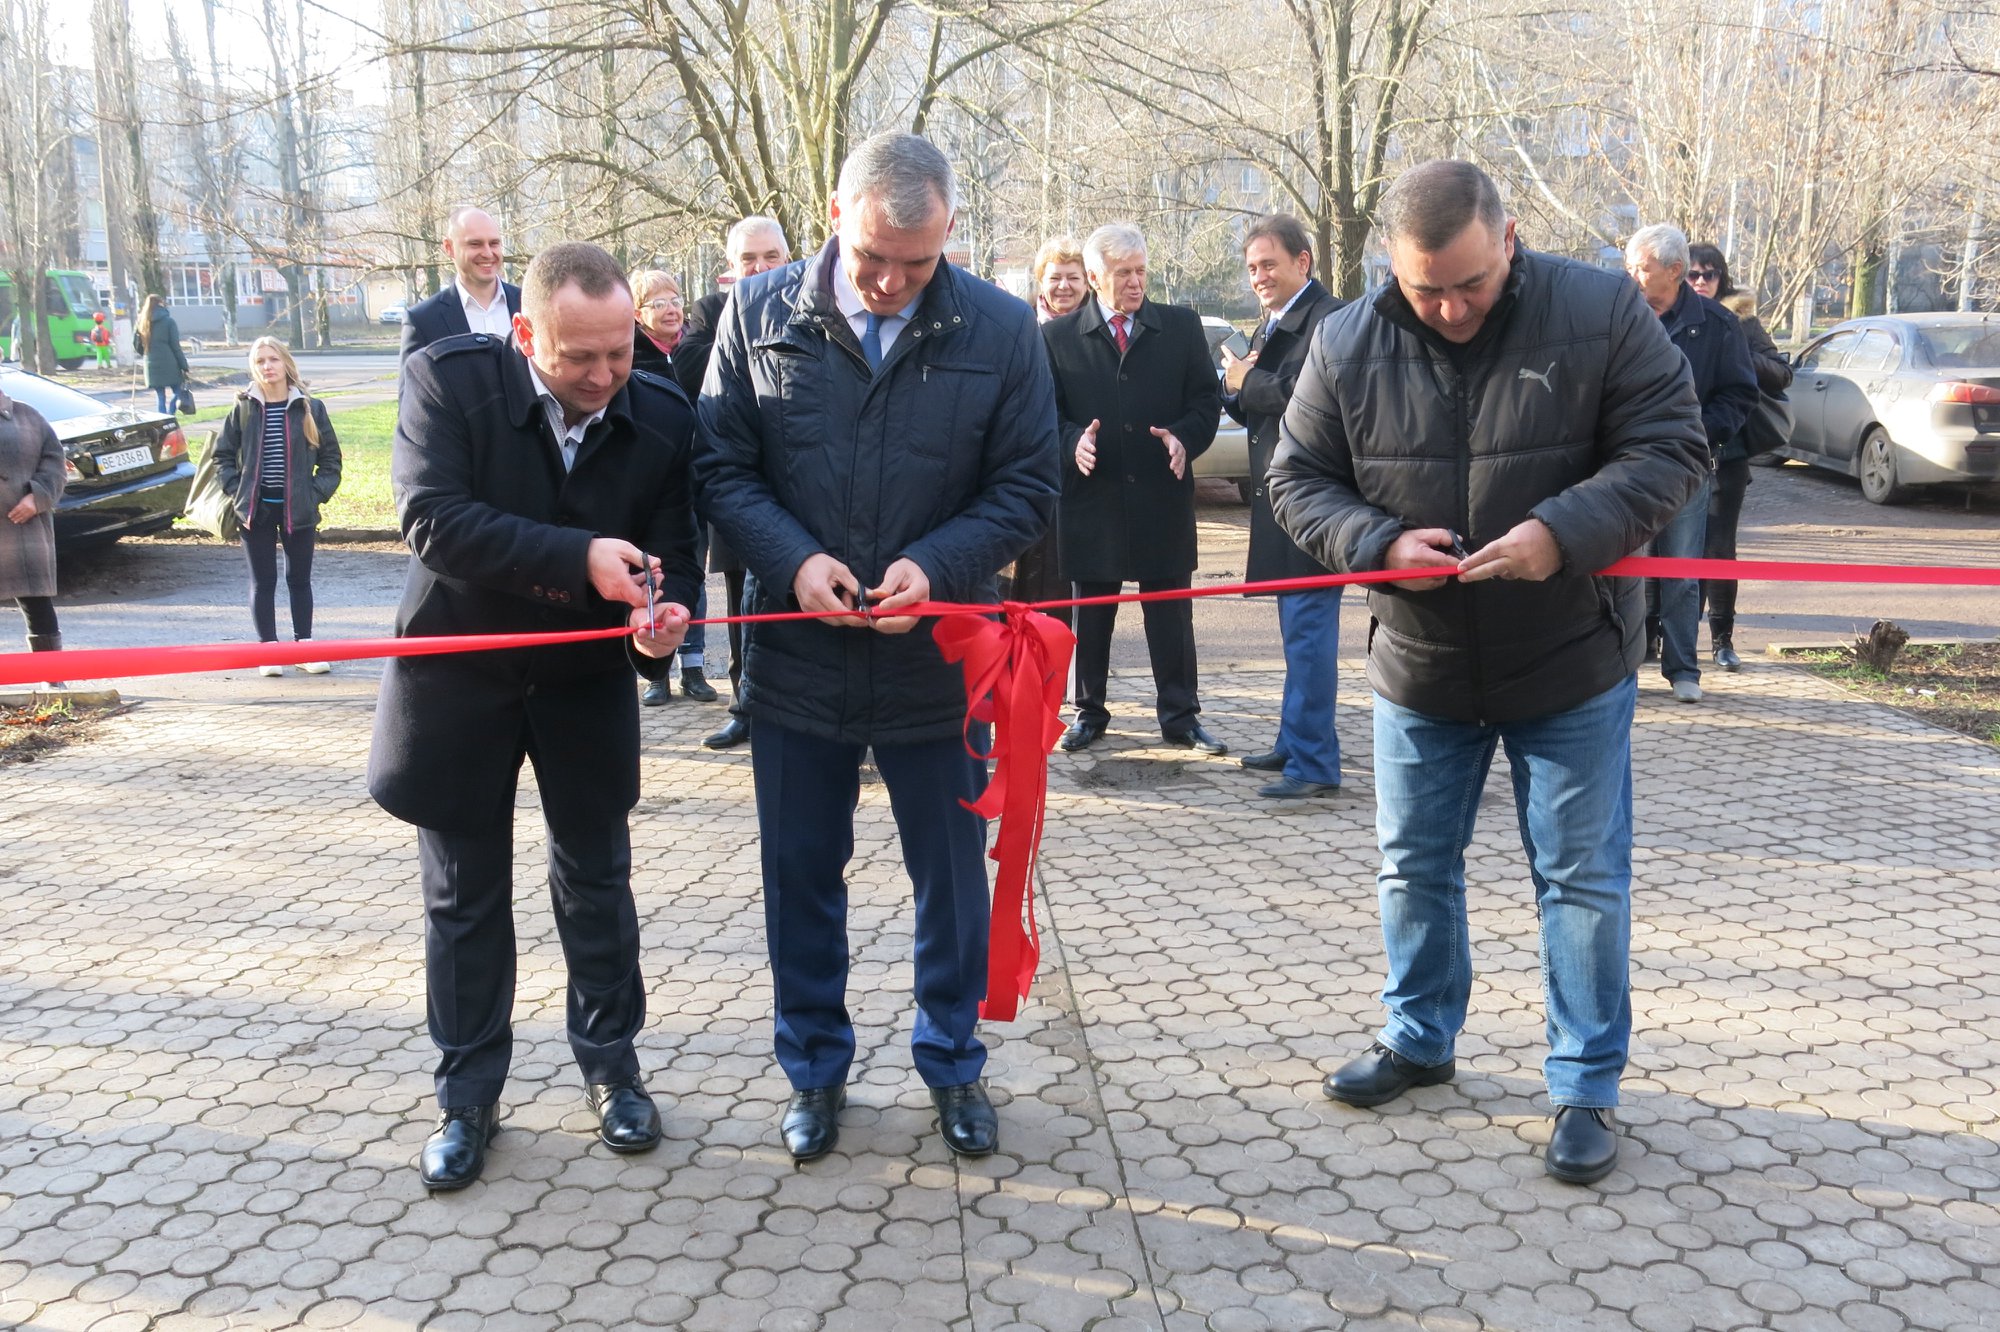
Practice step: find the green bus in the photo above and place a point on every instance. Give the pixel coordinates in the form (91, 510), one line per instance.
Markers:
(71, 299)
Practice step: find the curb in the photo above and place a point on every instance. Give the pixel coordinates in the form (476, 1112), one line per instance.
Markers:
(82, 698)
(1792, 649)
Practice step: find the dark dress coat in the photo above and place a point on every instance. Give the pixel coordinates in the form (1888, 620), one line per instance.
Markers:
(690, 368)
(443, 316)
(31, 463)
(312, 471)
(1725, 381)
(166, 361)
(498, 535)
(1258, 407)
(1131, 518)
(945, 455)
(646, 355)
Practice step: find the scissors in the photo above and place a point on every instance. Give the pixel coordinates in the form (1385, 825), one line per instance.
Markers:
(652, 594)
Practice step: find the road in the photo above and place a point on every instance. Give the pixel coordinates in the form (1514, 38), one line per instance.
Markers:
(177, 590)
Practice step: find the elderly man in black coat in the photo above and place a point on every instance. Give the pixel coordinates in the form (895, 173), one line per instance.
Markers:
(1139, 402)
(877, 428)
(540, 483)
(478, 300)
(754, 245)
(1278, 255)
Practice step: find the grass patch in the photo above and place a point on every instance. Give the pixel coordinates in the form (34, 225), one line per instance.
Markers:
(30, 730)
(365, 434)
(1953, 685)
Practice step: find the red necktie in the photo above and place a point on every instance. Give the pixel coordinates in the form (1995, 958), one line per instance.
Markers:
(1118, 332)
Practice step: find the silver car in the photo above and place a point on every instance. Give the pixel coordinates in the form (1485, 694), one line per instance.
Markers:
(1228, 459)
(1901, 401)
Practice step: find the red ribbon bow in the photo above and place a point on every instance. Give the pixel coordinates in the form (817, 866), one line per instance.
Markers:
(1015, 670)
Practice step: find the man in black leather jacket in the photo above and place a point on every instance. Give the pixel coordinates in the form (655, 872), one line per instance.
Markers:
(1533, 410)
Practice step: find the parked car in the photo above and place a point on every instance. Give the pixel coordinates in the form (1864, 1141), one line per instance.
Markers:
(1228, 458)
(1901, 401)
(392, 314)
(128, 470)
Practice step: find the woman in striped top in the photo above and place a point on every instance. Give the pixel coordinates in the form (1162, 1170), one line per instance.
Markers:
(278, 457)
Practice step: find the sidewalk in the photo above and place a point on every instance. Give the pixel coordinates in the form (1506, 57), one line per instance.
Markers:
(212, 1020)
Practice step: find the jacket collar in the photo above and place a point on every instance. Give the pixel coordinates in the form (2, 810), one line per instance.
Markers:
(257, 394)
(1688, 310)
(1090, 318)
(524, 405)
(938, 312)
(1393, 306)
(1294, 318)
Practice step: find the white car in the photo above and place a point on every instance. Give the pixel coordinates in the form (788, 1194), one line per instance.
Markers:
(1228, 458)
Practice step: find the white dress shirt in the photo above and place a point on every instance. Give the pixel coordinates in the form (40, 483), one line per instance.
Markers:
(567, 436)
(856, 310)
(495, 319)
(1131, 325)
(1271, 321)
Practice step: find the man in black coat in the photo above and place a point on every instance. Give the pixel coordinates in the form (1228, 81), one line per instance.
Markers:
(877, 428)
(754, 245)
(534, 479)
(1532, 410)
(1277, 252)
(478, 301)
(1138, 399)
(1725, 382)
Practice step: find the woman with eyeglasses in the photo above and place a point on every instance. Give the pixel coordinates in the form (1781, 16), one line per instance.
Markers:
(1708, 274)
(660, 318)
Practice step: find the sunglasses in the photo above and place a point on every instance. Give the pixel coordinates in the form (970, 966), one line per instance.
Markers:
(1702, 275)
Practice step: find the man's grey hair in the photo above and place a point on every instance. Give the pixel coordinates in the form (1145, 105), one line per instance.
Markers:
(1112, 241)
(755, 224)
(1662, 242)
(903, 175)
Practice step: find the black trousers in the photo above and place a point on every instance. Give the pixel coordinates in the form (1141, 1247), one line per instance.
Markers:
(41, 615)
(468, 881)
(1725, 510)
(260, 550)
(1169, 642)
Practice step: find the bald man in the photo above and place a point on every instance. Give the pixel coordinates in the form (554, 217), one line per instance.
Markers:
(477, 301)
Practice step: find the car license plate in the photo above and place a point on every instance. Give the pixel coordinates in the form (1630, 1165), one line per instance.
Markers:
(123, 461)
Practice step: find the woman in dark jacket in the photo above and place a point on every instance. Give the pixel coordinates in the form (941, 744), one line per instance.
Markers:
(158, 338)
(31, 481)
(278, 459)
(1708, 273)
(660, 316)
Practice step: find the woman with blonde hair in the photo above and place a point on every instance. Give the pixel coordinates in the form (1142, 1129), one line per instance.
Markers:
(157, 338)
(278, 459)
(661, 317)
(1059, 280)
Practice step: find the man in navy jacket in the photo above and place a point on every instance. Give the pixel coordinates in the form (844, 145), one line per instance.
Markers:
(534, 478)
(877, 428)
(478, 296)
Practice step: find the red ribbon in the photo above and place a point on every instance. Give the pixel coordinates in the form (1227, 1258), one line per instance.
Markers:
(1014, 668)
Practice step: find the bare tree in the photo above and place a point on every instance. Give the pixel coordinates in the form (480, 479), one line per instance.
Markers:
(121, 140)
(32, 143)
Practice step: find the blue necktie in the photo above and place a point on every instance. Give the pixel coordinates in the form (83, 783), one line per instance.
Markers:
(871, 342)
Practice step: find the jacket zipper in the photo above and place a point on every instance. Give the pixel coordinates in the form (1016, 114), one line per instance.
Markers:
(288, 467)
(1461, 399)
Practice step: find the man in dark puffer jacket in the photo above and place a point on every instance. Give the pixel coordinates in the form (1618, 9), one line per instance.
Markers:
(1534, 408)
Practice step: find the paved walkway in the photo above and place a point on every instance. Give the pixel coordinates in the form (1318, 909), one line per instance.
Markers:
(211, 1018)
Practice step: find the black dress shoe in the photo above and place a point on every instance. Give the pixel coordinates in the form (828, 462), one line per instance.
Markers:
(1197, 737)
(1725, 655)
(1383, 1075)
(1268, 761)
(656, 693)
(812, 1121)
(1082, 735)
(1584, 1147)
(966, 1118)
(731, 735)
(627, 1119)
(696, 686)
(1294, 788)
(455, 1152)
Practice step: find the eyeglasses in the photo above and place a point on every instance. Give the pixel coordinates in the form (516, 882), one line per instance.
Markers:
(1703, 275)
(663, 303)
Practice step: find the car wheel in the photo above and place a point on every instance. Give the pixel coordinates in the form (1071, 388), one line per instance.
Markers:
(1244, 490)
(1875, 464)
(76, 363)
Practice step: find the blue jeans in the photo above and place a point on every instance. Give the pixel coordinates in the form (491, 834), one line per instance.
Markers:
(1679, 599)
(1573, 798)
(1310, 625)
(166, 393)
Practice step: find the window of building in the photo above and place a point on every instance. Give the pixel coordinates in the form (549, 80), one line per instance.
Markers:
(191, 284)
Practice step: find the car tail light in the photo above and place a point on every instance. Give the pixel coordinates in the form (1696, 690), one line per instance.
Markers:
(175, 445)
(1962, 392)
